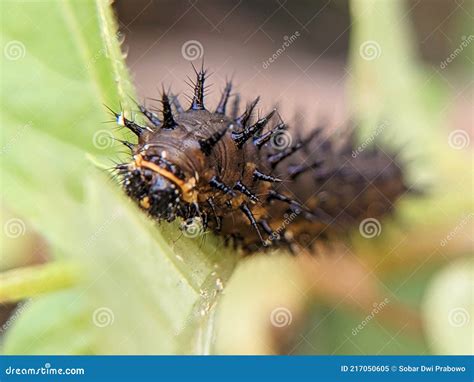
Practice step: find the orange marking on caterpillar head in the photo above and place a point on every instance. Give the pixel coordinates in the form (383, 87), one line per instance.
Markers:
(187, 187)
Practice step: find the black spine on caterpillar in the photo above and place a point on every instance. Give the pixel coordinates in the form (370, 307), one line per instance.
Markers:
(244, 181)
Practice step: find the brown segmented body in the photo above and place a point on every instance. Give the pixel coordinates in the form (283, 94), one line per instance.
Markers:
(232, 175)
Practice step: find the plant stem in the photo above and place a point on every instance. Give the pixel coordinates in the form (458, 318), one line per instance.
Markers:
(21, 283)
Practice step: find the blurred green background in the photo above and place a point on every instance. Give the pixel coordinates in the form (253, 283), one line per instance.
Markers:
(84, 272)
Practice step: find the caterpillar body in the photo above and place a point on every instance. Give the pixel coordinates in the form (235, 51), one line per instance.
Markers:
(247, 179)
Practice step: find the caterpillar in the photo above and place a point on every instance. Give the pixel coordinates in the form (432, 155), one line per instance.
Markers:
(245, 179)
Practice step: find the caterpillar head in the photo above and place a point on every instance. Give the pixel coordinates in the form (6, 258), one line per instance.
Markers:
(159, 186)
(152, 190)
(163, 175)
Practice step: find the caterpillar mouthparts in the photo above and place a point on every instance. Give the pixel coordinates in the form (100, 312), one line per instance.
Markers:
(256, 186)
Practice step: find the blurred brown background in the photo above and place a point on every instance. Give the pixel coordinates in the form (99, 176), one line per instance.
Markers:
(236, 37)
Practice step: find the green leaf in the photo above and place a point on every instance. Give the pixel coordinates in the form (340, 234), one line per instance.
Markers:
(448, 309)
(157, 288)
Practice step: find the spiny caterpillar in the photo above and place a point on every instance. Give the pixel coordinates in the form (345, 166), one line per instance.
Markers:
(250, 183)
